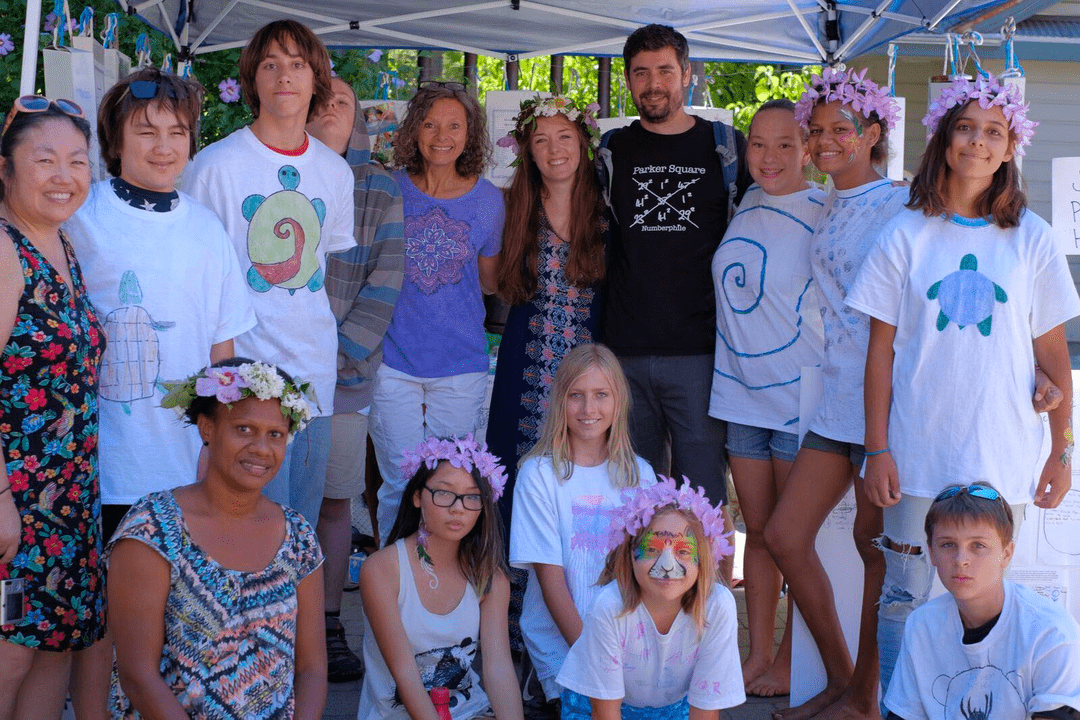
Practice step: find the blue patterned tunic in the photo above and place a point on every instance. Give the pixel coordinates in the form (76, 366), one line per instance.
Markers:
(229, 635)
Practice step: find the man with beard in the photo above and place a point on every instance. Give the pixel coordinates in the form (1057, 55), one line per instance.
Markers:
(671, 181)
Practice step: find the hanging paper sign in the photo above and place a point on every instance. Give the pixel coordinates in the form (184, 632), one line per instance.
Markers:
(502, 107)
(1065, 203)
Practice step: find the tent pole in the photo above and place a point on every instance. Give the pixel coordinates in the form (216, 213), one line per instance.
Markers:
(603, 87)
(469, 72)
(30, 47)
(557, 74)
(513, 67)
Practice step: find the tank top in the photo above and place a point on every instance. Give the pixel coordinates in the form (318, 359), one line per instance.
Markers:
(444, 647)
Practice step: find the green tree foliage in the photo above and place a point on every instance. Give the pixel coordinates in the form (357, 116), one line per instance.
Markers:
(393, 73)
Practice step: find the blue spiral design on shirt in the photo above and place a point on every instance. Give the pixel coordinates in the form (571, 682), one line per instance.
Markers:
(738, 273)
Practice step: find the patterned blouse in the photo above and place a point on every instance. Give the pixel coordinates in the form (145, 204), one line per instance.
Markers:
(229, 635)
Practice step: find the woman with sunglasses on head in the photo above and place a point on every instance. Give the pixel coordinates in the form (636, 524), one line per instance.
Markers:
(433, 378)
(171, 300)
(49, 536)
(438, 592)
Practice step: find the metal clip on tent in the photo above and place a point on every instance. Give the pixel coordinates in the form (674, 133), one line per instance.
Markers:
(1013, 68)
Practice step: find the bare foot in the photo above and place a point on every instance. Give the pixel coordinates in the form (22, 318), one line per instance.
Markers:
(752, 669)
(849, 707)
(774, 681)
(811, 707)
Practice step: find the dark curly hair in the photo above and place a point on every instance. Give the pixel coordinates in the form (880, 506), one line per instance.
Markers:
(477, 153)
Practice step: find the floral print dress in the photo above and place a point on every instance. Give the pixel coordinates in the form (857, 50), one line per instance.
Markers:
(48, 427)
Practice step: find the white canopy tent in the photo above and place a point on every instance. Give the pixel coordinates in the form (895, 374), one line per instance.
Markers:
(784, 31)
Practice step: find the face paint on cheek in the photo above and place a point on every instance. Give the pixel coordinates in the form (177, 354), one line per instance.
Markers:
(642, 550)
(851, 140)
(689, 545)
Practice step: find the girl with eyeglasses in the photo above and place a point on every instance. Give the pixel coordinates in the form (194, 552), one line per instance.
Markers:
(438, 592)
(567, 487)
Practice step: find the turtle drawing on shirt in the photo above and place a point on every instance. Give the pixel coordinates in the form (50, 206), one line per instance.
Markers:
(966, 297)
(446, 667)
(284, 230)
(131, 361)
(981, 693)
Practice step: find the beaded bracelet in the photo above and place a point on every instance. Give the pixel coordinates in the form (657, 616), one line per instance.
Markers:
(876, 452)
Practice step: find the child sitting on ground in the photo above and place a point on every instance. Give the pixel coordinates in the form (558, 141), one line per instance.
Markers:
(988, 647)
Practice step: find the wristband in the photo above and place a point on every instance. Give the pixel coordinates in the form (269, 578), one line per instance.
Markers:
(876, 452)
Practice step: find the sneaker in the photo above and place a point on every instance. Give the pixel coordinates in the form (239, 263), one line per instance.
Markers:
(342, 664)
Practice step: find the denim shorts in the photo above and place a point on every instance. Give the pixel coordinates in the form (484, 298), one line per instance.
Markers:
(853, 451)
(755, 443)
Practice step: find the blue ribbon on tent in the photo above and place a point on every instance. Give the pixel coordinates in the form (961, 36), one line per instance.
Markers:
(108, 38)
(1012, 64)
(973, 38)
(892, 69)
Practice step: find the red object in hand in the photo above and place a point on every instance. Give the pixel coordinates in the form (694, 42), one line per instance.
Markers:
(440, 696)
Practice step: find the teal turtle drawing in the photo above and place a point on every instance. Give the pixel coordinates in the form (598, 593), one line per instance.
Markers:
(284, 230)
(966, 297)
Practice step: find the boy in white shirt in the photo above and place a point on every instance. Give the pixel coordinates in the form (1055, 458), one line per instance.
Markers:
(286, 202)
(988, 648)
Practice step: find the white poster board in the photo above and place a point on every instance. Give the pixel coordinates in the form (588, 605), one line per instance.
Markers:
(1047, 559)
(1065, 203)
(502, 107)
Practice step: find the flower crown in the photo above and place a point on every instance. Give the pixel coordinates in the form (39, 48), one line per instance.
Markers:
(989, 92)
(849, 88)
(639, 505)
(234, 383)
(550, 107)
(464, 453)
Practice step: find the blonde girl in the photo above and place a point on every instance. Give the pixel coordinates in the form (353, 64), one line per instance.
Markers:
(661, 641)
(567, 486)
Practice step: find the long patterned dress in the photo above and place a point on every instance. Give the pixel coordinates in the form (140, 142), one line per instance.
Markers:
(538, 335)
(48, 427)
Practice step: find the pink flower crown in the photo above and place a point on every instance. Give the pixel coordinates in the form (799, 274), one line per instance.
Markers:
(464, 453)
(989, 92)
(849, 88)
(639, 505)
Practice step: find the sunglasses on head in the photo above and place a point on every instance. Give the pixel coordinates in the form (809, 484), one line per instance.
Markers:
(148, 89)
(448, 84)
(37, 104)
(980, 491)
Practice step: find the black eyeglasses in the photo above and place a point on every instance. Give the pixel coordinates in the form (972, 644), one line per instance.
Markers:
(445, 498)
(40, 103)
(981, 491)
(148, 89)
(448, 84)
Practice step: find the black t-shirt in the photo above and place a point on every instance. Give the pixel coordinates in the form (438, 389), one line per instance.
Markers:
(671, 203)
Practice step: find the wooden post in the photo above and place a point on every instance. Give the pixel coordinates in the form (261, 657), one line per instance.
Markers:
(697, 67)
(512, 69)
(470, 78)
(557, 74)
(603, 89)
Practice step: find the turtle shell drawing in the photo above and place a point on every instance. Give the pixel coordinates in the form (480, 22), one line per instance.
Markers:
(130, 364)
(284, 230)
(966, 297)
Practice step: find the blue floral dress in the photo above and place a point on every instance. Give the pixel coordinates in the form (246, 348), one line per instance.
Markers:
(48, 427)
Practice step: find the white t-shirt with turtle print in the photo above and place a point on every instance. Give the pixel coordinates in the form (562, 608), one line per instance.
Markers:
(967, 298)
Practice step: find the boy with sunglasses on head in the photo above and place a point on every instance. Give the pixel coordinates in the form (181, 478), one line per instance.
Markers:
(286, 200)
(988, 648)
(160, 270)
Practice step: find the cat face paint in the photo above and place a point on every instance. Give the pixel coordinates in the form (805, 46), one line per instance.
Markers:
(670, 553)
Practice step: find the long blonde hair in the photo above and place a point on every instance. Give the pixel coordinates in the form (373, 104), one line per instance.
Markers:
(619, 567)
(554, 439)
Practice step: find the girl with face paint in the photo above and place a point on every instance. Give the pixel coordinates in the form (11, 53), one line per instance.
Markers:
(661, 640)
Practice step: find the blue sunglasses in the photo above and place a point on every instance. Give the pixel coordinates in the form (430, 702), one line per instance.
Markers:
(981, 491)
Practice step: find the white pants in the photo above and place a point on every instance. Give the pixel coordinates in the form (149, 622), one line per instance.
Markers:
(406, 410)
